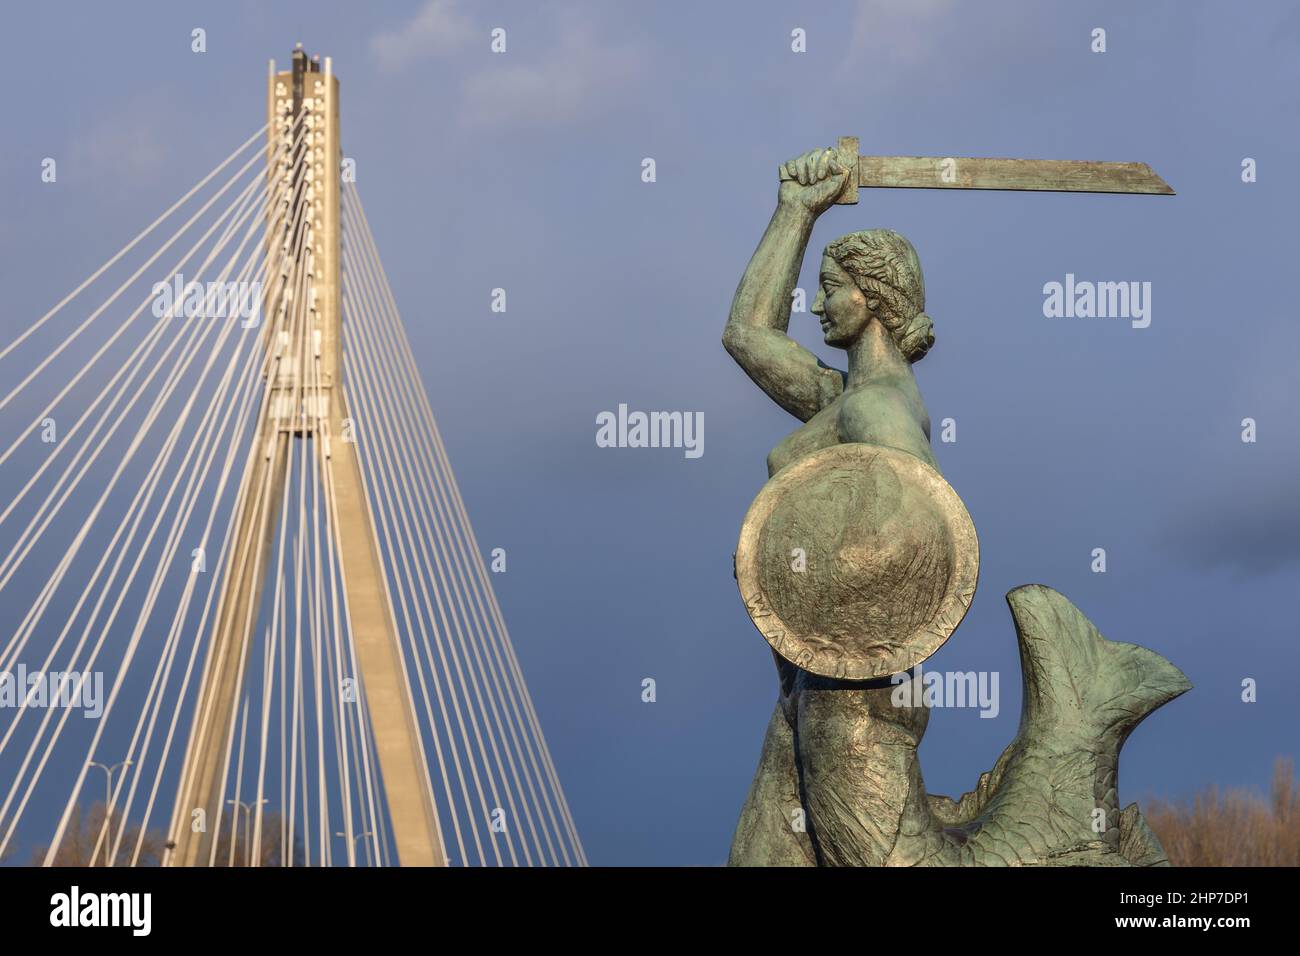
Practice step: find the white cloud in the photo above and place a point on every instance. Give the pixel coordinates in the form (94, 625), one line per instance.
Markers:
(438, 27)
(581, 77)
(568, 74)
(902, 31)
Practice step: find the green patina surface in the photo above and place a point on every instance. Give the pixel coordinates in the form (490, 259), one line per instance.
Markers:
(839, 782)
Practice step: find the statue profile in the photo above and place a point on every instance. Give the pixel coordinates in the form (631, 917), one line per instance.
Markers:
(886, 566)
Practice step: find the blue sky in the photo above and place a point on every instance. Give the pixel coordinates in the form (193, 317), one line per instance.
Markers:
(522, 171)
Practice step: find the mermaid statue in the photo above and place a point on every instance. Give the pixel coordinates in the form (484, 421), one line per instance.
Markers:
(857, 561)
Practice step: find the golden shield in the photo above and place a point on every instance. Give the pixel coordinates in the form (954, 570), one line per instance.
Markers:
(857, 562)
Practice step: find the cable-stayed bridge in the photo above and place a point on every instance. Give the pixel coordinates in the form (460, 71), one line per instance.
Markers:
(246, 619)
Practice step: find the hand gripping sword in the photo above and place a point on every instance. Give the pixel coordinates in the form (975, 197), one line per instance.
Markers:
(1043, 175)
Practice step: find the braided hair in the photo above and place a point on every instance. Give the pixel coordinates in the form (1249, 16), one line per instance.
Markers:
(886, 268)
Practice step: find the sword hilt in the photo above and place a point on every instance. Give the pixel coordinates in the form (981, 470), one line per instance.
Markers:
(846, 154)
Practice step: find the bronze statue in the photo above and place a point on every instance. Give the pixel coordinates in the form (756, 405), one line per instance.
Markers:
(857, 561)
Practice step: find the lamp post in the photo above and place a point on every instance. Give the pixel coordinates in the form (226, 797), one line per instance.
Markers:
(108, 801)
(355, 838)
(248, 825)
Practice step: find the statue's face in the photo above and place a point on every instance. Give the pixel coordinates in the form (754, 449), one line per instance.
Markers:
(841, 305)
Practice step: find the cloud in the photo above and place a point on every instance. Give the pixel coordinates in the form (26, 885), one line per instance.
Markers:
(903, 31)
(575, 77)
(578, 79)
(1252, 530)
(439, 27)
(939, 43)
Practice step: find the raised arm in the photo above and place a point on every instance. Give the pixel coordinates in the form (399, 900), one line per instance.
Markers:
(755, 335)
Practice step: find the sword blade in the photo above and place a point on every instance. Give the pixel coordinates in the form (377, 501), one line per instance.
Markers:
(1043, 175)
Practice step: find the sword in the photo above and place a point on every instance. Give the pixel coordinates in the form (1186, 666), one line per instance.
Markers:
(940, 172)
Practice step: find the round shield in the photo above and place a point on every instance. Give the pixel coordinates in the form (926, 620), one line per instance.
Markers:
(857, 561)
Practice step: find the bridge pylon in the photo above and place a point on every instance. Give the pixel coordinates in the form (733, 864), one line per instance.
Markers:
(304, 399)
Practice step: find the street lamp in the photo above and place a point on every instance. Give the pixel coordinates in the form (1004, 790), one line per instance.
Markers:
(355, 838)
(108, 800)
(248, 826)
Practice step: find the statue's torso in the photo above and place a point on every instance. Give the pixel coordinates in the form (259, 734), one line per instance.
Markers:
(820, 431)
(829, 427)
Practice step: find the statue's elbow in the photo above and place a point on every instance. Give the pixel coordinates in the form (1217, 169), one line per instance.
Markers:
(733, 341)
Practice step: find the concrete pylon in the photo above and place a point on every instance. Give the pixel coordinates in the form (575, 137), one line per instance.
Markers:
(294, 401)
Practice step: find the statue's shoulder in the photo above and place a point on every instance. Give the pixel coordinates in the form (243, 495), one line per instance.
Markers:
(886, 413)
(879, 402)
